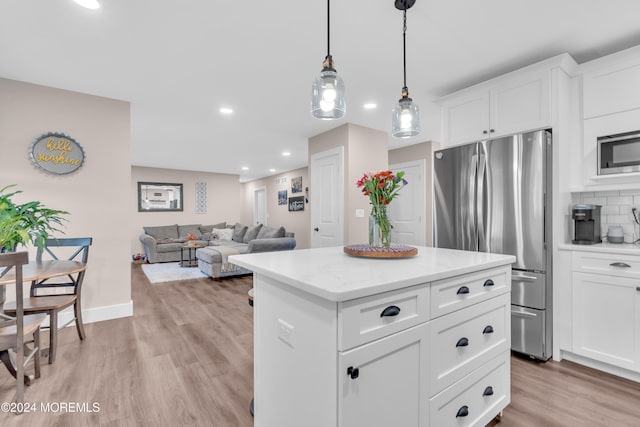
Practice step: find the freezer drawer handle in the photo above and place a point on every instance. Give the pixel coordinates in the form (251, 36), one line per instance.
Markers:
(462, 342)
(462, 290)
(463, 412)
(390, 311)
(488, 391)
(489, 282)
(488, 330)
(354, 373)
(522, 313)
(620, 264)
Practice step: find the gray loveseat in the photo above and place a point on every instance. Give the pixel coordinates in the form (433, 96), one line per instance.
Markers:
(163, 243)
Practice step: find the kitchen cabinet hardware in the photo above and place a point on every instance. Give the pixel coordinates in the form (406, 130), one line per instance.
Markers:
(390, 311)
(488, 282)
(316, 229)
(353, 373)
(638, 288)
(462, 342)
(463, 412)
(620, 264)
(488, 391)
(488, 329)
(484, 132)
(463, 290)
(492, 130)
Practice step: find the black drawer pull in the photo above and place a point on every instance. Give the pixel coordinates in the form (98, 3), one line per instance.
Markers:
(463, 412)
(463, 290)
(353, 372)
(488, 282)
(390, 311)
(488, 329)
(462, 342)
(488, 391)
(620, 264)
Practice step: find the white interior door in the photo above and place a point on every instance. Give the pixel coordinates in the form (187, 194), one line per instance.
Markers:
(326, 201)
(260, 206)
(407, 211)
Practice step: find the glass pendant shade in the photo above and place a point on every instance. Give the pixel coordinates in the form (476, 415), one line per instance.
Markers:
(405, 119)
(328, 96)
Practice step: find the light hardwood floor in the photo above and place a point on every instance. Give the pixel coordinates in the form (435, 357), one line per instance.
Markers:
(185, 359)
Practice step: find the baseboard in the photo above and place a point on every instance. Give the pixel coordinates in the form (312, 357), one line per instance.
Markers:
(97, 314)
(601, 366)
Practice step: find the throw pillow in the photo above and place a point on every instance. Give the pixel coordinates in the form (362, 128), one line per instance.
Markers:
(238, 232)
(252, 233)
(162, 232)
(222, 233)
(183, 230)
(270, 232)
(209, 228)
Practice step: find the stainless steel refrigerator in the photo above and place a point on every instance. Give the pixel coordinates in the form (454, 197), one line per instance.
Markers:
(495, 196)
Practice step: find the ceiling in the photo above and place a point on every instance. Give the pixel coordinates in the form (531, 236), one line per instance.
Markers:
(178, 62)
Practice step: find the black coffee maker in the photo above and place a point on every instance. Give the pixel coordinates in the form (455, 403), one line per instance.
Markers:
(587, 224)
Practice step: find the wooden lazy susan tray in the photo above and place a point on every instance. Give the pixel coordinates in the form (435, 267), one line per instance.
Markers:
(394, 251)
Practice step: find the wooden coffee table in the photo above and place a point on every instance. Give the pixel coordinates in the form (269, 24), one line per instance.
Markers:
(190, 260)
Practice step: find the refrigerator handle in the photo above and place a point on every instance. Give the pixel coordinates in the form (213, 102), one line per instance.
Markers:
(473, 224)
(483, 245)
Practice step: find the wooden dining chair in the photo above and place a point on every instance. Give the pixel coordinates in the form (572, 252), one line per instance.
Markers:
(52, 303)
(14, 330)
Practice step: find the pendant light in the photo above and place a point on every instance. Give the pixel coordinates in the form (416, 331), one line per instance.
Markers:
(405, 117)
(327, 92)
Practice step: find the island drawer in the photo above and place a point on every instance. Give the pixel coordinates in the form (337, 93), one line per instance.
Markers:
(449, 295)
(464, 340)
(366, 319)
(473, 400)
(609, 264)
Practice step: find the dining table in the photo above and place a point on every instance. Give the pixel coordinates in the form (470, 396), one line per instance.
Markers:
(36, 271)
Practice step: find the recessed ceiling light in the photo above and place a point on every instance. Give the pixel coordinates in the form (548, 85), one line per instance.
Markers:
(272, 170)
(286, 153)
(89, 4)
(244, 168)
(226, 110)
(369, 106)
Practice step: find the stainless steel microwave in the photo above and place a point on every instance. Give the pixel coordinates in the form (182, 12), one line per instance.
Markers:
(619, 153)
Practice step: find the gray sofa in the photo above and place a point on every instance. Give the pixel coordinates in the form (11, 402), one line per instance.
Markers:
(163, 243)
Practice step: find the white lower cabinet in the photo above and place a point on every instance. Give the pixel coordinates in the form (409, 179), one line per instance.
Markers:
(606, 319)
(381, 382)
(449, 370)
(475, 399)
(384, 359)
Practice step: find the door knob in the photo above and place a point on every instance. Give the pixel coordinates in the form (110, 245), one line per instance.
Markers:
(316, 229)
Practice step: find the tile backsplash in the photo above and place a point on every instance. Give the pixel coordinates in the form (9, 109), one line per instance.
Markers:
(616, 210)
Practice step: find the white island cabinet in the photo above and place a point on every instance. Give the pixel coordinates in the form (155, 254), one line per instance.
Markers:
(351, 342)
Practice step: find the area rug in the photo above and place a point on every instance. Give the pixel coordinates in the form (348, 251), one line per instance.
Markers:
(170, 272)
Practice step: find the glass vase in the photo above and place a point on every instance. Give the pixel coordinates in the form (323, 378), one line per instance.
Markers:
(379, 227)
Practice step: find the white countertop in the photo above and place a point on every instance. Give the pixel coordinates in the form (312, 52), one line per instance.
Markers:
(331, 274)
(605, 247)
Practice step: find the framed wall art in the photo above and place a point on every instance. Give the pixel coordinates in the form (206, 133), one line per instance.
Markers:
(296, 204)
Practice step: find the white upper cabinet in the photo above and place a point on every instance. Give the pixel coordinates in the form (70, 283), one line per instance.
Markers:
(508, 105)
(610, 105)
(611, 84)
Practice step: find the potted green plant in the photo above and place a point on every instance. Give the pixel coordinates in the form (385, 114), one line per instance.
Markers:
(30, 222)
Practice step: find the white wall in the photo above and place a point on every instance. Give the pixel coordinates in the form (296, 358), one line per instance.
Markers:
(279, 215)
(97, 195)
(224, 200)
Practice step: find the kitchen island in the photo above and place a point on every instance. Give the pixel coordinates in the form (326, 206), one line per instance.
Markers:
(348, 341)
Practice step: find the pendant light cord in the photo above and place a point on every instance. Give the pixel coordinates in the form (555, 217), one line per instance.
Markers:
(328, 28)
(404, 46)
